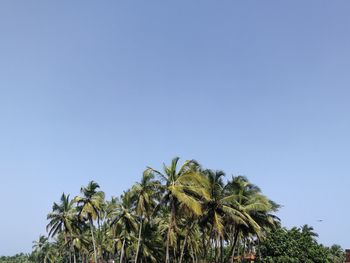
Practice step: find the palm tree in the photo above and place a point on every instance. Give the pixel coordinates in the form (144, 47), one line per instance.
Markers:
(190, 231)
(125, 222)
(144, 193)
(184, 186)
(218, 210)
(61, 219)
(188, 212)
(39, 245)
(151, 247)
(40, 248)
(110, 213)
(81, 241)
(51, 254)
(254, 207)
(90, 206)
(308, 231)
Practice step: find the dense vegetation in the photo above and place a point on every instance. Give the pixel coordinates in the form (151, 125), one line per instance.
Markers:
(297, 245)
(180, 214)
(19, 258)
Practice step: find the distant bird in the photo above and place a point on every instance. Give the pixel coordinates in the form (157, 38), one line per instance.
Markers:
(320, 220)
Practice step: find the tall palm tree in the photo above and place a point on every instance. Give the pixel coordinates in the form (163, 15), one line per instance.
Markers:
(218, 210)
(90, 206)
(61, 219)
(110, 213)
(254, 207)
(189, 232)
(144, 193)
(125, 222)
(182, 186)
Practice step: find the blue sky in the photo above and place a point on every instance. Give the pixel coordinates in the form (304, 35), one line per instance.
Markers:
(101, 89)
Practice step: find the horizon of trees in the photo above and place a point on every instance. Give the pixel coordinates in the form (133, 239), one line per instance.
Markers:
(183, 213)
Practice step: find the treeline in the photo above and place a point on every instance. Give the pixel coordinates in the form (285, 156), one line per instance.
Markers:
(19, 258)
(183, 213)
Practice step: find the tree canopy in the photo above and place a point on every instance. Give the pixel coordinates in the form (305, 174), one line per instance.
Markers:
(182, 213)
(297, 245)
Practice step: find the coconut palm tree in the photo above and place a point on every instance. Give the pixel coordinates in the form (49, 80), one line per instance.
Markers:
(40, 248)
(253, 206)
(61, 219)
(308, 231)
(151, 247)
(81, 241)
(125, 222)
(219, 209)
(51, 254)
(144, 193)
(90, 206)
(182, 186)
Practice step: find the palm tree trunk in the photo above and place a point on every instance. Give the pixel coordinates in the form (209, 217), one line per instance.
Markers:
(93, 239)
(122, 252)
(139, 241)
(204, 255)
(73, 251)
(216, 249)
(244, 248)
(235, 239)
(167, 245)
(183, 248)
(210, 244)
(221, 250)
(69, 252)
(172, 217)
(192, 255)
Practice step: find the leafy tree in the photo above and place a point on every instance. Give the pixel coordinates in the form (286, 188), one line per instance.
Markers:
(297, 245)
(183, 187)
(144, 194)
(254, 210)
(19, 258)
(125, 224)
(90, 206)
(61, 220)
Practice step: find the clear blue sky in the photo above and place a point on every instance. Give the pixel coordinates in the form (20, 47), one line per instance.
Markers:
(101, 89)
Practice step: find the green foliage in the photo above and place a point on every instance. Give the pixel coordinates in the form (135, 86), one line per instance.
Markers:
(297, 245)
(19, 258)
(182, 213)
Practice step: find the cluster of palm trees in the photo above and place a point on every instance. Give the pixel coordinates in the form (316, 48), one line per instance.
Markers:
(180, 214)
